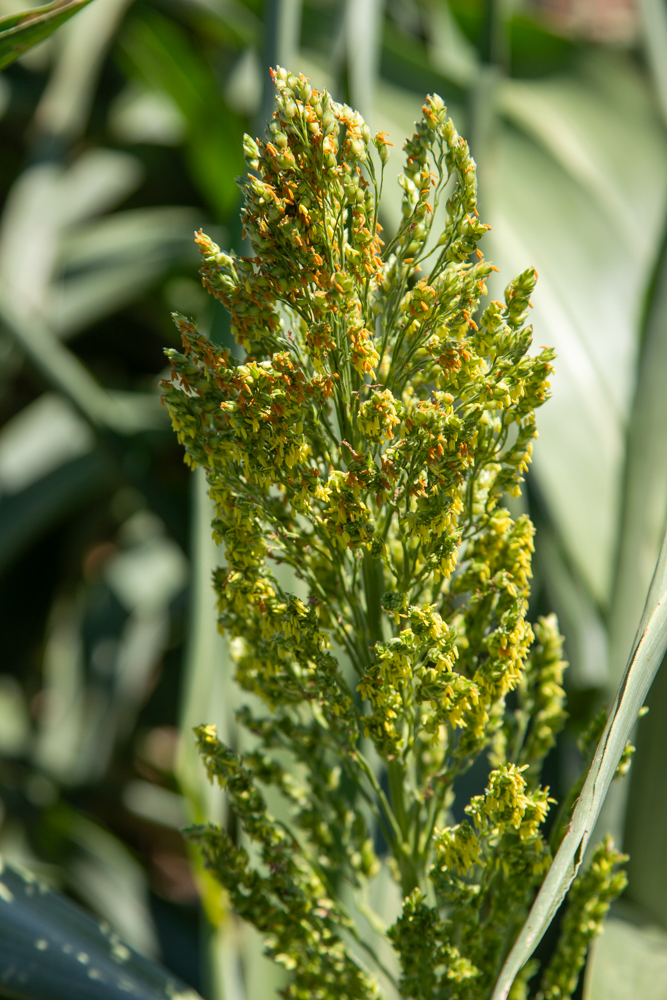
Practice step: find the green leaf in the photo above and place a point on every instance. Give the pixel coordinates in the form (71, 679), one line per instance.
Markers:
(646, 810)
(52, 950)
(26, 516)
(163, 57)
(654, 31)
(556, 206)
(19, 32)
(578, 616)
(644, 500)
(642, 518)
(647, 654)
(107, 262)
(65, 372)
(627, 963)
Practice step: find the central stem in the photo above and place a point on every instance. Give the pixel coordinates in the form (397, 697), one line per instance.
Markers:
(373, 589)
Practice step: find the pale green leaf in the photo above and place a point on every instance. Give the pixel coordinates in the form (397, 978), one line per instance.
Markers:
(627, 962)
(593, 265)
(648, 651)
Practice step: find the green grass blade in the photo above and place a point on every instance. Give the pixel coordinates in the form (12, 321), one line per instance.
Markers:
(644, 506)
(647, 654)
(19, 32)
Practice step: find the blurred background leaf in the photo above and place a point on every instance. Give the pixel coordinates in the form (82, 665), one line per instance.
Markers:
(52, 950)
(121, 135)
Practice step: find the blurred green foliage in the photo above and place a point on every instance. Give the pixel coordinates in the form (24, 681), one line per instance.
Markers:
(120, 136)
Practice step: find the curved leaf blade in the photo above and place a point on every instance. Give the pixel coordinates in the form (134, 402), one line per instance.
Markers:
(19, 32)
(647, 654)
(52, 950)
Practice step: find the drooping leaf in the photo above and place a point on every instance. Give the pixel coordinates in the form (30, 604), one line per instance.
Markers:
(19, 32)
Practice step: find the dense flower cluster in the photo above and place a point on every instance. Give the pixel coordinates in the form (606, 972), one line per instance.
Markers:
(365, 441)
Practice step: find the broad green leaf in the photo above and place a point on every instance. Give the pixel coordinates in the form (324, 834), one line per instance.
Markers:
(646, 812)
(50, 949)
(19, 32)
(647, 654)
(555, 205)
(643, 515)
(645, 481)
(578, 617)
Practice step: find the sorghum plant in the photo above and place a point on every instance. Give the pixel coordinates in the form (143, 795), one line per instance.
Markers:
(366, 441)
